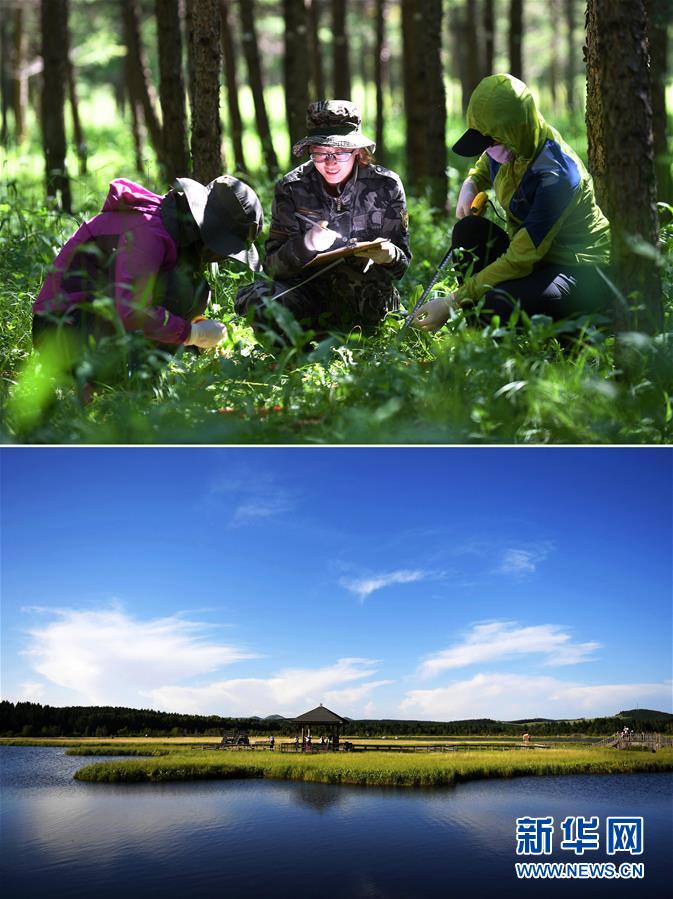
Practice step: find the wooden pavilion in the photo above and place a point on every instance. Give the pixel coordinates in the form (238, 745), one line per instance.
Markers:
(324, 720)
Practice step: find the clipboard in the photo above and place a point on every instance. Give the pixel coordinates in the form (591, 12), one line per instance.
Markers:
(349, 250)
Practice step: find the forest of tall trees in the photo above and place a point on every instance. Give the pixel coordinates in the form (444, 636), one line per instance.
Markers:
(182, 71)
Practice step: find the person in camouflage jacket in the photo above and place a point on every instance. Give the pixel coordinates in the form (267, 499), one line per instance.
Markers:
(337, 196)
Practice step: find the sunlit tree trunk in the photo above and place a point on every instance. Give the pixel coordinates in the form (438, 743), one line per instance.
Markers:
(554, 52)
(231, 83)
(516, 38)
(140, 86)
(436, 105)
(412, 17)
(571, 67)
(621, 152)
(78, 133)
(6, 77)
(295, 69)
(380, 65)
(19, 80)
(472, 62)
(204, 39)
(489, 36)
(317, 69)
(659, 15)
(425, 101)
(251, 51)
(341, 61)
(54, 30)
(172, 89)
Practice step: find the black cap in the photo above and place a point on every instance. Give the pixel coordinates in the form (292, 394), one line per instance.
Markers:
(228, 214)
(472, 143)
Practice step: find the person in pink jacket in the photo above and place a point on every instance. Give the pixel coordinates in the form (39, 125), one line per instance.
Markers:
(147, 253)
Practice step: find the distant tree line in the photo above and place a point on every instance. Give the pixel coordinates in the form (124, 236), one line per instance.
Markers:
(30, 719)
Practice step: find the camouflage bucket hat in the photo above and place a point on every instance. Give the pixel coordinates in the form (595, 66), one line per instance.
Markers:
(333, 123)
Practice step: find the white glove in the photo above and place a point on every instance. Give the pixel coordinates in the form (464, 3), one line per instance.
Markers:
(433, 314)
(319, 239)
(468, 192)
(384, 253)
(206, 333)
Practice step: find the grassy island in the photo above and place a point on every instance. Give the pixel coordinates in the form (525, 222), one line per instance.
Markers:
(373, 768)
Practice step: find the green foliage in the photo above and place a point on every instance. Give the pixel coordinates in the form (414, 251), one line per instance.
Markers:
(378, 769)
(31, 719)
(535, 383)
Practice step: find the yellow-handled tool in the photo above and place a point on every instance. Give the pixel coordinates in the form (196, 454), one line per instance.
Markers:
(479, 203)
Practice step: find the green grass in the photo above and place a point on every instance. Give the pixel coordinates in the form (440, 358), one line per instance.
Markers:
(467, 385)
(377, 769)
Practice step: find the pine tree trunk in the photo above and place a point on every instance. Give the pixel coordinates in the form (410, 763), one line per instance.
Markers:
(489, 36)
(342, 72)
(295, 69)
(317, 71)
(516, 38)
(251, 51)
(621, 152)
(379, 68)
(435, 123)
(78, 133)
(414, 99)
(54, 30)
(172, 89)
(204, 38)
(231, 82)
(659, 14)
(141, 90)
(6, 78)
(472, 66)
(19, 80)
(553, 53)
(571, 101)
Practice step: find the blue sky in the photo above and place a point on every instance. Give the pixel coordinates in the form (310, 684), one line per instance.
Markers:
(432, 583)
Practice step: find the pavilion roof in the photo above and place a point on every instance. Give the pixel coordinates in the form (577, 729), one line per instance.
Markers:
(320, 715)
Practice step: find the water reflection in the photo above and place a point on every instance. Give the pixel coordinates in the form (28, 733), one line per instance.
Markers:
(264, 838)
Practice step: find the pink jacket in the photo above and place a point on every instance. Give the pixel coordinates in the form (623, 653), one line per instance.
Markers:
(131, 220)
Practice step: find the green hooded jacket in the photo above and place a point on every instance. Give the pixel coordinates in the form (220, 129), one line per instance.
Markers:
(545, 190)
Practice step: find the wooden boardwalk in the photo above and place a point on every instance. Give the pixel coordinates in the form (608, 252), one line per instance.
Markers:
(630, 740)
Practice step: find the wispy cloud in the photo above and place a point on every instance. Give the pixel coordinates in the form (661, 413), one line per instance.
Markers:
(520, 561)
(517, 559)
(365, 586)
(287, 692)
(504, 696)
(108, 656)
(490, 641)
(252, 496)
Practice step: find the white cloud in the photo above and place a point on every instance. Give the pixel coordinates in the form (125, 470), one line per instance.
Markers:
(108, 656)
(511, 696)
(489, 641)
(522, 561)
(352, 695)
(365, 586)
(30, 691)
(256, 495)
(288, 692)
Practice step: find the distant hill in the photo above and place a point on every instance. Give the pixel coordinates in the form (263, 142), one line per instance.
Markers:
(645, 715)
(30, 719)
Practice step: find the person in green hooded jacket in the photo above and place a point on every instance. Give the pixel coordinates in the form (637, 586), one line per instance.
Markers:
(557, 239)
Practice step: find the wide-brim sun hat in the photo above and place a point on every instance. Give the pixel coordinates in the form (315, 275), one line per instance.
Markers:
(472, 143)
(333, 123)
(228, 214)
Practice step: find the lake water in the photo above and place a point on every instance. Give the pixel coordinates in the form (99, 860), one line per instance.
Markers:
(275, 839)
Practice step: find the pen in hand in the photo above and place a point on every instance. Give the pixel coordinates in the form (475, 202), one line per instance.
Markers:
(312, 222)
